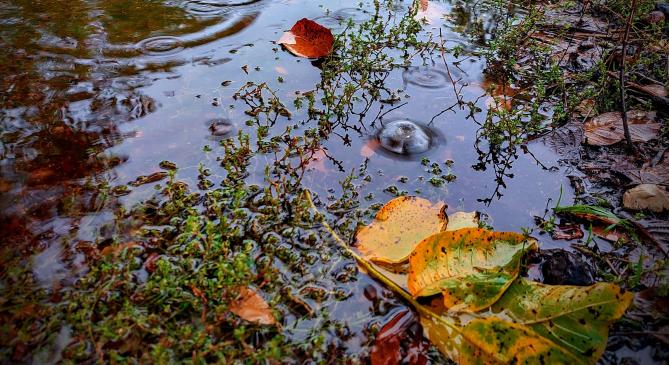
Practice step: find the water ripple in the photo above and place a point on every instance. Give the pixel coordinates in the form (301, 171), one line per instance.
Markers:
(426, 77)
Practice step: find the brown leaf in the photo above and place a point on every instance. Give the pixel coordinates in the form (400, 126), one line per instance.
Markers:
(654, 230)
(111, 249)
(650, 89)
(647, 196)
(40, 174)
(252, 307)
(585, 108)
(607, 129)
(652, 174)
(612, 234)
(400, 341)
(198, 293)
(398, 227)
(317, 161)
(5, 186)
(567, 232)
(369, 149)
(308, 39)
(151, 262)
(499, 103)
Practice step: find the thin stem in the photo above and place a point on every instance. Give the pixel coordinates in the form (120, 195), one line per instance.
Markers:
(375, 273)
(623, 106)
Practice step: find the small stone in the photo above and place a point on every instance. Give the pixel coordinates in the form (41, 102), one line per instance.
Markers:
(663, 8)
(562, 267)
(647, 196)
(404, 137)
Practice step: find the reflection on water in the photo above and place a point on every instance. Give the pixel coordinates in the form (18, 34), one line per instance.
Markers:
(94, 94)
(73, 73)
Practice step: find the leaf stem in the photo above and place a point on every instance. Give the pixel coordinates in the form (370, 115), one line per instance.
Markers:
(375, 273)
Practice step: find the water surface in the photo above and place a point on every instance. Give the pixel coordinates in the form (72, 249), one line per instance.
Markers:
(94, 94)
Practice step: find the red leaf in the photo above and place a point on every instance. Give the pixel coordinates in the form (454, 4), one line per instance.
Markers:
(308, 39)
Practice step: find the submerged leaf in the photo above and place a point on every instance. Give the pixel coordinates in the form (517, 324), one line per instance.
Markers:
(470, 266)
(398, 227)
(576, 318)
(308, 39)
(252, 307)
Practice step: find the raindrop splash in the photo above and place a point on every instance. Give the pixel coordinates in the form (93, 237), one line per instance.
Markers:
(405, 137)
(426, 77)
(160, 46)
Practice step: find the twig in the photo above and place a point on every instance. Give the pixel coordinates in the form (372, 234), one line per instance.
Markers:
(623, 106)
(448, 70)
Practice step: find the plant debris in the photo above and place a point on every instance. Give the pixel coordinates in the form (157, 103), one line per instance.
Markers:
(607, 129)
(308, 39)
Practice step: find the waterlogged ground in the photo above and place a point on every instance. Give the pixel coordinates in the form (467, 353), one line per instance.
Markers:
(95, 94)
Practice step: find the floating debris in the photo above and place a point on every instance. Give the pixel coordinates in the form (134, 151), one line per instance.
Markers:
(167, 165)
(221, 127)
(147, 179)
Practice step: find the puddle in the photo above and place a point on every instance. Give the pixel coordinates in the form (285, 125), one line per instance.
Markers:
(97, 93)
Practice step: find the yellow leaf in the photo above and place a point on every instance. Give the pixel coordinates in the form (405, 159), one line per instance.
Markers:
(398, 227)
(459, 220)
(495, 341)
(576, 318)
(470, 266)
